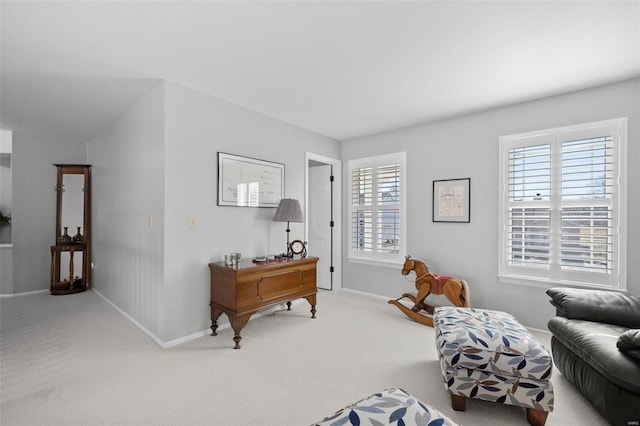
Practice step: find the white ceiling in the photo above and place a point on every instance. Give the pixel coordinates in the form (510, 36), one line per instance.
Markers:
(342, 68)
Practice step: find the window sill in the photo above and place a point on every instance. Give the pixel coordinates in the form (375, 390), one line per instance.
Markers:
(547, 284)
(376, 262)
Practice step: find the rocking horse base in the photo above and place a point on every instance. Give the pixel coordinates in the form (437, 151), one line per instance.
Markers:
(417, 317)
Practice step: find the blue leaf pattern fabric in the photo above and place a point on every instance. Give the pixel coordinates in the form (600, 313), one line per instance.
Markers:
(489, 355)
(354, 418)
(497, 341)
(393, 406)
(397, 415)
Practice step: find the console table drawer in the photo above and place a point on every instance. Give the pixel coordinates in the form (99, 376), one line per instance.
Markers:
(276, 286)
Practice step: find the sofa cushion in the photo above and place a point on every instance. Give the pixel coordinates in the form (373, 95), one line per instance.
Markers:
(618, 405)
(595, 344)
(597, 305)
(629, 342)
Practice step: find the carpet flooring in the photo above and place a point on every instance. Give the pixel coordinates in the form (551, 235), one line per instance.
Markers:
(75, 360)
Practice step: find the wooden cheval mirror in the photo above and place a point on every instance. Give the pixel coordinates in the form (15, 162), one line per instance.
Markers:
(71, 253)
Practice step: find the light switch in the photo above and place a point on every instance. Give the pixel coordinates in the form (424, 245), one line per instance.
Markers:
(193, 222)
(150, 221)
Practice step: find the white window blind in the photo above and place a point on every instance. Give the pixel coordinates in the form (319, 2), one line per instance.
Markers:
(563, 216)
(587, 211)
(362, 209)
(377, 207)
(529, 214)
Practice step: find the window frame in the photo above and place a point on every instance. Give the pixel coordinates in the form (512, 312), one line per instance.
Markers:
(553, 276)
(374, 256)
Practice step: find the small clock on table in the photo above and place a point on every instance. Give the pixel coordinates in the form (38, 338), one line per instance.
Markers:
(298, 247)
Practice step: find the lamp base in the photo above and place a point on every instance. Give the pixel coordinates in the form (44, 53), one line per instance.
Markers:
(289, 253)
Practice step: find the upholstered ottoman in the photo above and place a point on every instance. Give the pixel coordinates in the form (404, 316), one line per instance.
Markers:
(391, 406)
(489, 355)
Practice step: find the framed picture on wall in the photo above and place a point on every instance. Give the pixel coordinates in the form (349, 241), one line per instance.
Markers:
(452, 200)
(249, 182)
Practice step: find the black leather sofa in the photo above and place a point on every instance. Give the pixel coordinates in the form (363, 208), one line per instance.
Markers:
(596, 346)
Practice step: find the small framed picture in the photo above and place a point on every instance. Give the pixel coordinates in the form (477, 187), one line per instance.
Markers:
(452, 200)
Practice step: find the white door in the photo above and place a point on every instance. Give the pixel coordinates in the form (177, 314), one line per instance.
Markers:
(319, 221)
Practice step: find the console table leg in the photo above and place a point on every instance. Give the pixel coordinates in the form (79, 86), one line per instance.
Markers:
(238, 323)
(215, 314)
(312, 301)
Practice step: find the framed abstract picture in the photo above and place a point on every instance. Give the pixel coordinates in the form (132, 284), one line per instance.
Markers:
(452, 200)
(249, 182)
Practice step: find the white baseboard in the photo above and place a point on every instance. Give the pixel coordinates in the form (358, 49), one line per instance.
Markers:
(364, 293)
(377, 296)
(131, 319)
(265, 312)
(180, 340)
(26, 293)
(190, 337)
(539, 330)
(156, 339)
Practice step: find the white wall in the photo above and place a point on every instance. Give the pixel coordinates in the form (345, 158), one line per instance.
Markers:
(198, 127)
(6, 269)
(160, 159)
(33, 218)
(128, 187)
(467, 146)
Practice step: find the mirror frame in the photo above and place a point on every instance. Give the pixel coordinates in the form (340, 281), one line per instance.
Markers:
(85, 171)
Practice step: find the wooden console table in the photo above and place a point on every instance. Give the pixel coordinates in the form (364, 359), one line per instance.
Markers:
(242, 290)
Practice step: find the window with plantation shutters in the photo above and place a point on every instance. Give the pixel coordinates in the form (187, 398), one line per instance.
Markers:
(377, 208)
(529, 214)
(563, 211)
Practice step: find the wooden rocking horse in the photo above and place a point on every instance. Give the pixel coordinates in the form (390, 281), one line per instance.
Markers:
(457, 291)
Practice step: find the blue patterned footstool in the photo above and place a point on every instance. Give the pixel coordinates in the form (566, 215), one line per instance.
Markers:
(391, 406)
(489, 355)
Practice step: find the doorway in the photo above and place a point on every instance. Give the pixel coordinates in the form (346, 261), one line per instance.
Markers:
(323, 213)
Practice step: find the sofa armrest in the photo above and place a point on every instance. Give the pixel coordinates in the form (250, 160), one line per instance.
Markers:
(596, 305)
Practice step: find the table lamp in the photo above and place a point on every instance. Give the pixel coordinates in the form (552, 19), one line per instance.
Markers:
(288, 211)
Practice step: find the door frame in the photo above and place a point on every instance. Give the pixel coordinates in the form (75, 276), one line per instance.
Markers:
(336, 164)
